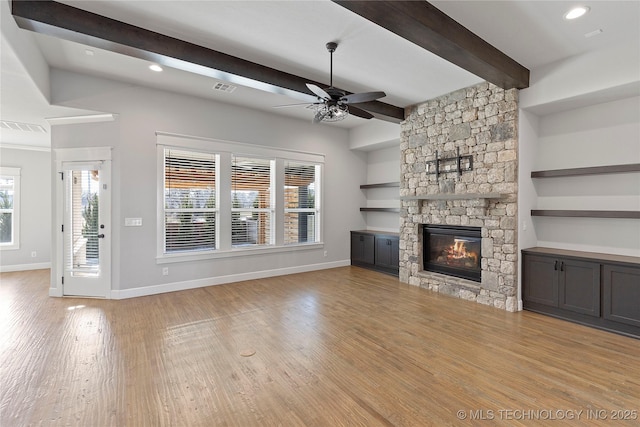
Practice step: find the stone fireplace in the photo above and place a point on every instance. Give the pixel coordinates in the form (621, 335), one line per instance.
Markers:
(459, 171)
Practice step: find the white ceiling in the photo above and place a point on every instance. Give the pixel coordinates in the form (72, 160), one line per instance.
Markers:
(291, 35)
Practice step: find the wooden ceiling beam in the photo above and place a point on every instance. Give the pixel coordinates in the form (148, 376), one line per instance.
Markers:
(425, 25)
(77, 25)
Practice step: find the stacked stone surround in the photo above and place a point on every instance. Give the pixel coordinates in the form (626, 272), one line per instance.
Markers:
(480, 121)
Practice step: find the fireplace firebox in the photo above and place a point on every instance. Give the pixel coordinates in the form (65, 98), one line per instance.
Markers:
(452, 250)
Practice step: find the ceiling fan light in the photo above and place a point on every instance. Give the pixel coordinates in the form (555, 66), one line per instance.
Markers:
(332, 113)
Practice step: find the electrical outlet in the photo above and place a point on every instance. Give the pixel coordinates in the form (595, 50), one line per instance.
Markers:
(325, 253)
(165, 271)
(34, 254)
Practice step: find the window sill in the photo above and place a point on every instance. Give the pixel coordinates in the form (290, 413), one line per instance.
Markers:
(9, 247)
(235, 252)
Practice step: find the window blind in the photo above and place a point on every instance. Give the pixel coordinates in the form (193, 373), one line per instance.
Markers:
(190, 202)
(252, 201)
(301, 202)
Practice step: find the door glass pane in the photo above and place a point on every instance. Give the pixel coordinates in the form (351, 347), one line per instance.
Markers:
(82, 247)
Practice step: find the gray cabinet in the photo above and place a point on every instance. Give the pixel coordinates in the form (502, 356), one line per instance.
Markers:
(621, 302)
(595, 289)
(566, 283)
(387, 251)
(362, 248)
(540, 280)
(375, 250)
(579, 286)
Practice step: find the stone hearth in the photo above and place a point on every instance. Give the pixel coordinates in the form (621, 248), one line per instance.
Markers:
(480, 121)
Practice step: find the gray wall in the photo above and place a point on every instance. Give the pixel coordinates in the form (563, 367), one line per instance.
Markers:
(35, 208)
(142, 112)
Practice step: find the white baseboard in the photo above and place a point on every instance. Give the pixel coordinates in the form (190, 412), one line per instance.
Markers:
(210, 281)
(55, 292)
(25, 267)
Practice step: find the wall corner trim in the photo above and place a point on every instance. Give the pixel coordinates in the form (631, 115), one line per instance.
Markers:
(73, 120)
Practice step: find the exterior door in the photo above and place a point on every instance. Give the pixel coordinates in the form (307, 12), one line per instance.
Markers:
(86, 229)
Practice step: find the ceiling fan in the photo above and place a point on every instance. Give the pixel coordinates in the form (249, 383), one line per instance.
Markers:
(335, 104)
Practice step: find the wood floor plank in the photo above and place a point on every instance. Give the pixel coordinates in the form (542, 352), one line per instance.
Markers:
(340, 347)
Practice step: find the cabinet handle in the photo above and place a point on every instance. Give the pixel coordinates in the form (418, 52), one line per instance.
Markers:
(555, 265)
(362, 239)
(562, 266)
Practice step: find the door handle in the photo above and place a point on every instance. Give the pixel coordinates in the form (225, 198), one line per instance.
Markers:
(100, 236)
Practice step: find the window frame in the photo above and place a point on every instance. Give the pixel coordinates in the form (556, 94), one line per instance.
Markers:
(226, 151)
(270, 209)
(317, 201)
(193, 210)
(12, 173)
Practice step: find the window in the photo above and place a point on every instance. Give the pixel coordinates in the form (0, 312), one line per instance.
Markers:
(9, 208)
(220, 199)
(190, 201)
(301, 202)
(252, 203)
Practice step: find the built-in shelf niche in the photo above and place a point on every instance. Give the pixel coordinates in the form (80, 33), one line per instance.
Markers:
(585, 213)
(592, 170)
(380, 185)
(393, 210)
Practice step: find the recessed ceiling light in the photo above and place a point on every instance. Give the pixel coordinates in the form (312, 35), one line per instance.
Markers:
(155, 67)
(88, 52)
(576, 12)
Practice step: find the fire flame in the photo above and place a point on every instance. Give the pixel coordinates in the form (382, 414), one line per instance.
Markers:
(458, 251)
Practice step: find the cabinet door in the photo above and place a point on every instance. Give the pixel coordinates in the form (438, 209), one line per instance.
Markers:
(387, 252)
(362, 248)
(621, 294)
(579, 286)
(540, 280)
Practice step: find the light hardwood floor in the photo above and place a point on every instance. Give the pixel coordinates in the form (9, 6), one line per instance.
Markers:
(332, 348)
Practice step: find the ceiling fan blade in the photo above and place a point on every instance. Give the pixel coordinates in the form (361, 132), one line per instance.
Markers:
(360, 112)
(296, 105)
(320, 93)
(356, 98)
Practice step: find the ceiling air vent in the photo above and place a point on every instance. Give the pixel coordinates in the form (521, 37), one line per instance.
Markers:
(224, 87)
(24, 127)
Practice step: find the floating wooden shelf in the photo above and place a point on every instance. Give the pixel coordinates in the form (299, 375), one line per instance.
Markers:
(466, 196)
(586, 214)
(595, 170)
(397, 210)
(381, 185)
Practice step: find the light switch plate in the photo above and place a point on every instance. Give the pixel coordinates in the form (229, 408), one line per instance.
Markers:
(133, 222)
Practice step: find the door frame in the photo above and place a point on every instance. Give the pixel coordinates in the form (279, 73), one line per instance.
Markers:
(86, 154)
